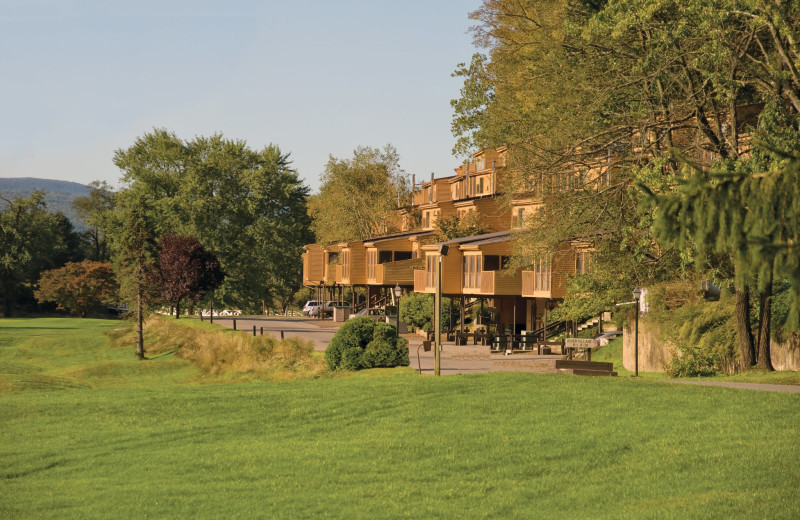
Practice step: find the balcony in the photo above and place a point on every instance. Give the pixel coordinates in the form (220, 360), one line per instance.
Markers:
(421, 282)
(554, 287)
(340, 275)
(401, 272)
(497, 283)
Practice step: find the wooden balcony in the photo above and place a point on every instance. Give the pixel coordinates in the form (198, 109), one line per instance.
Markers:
(401, 272)
(556, 286)
(340, 275)
(421, 282)
(497, 283)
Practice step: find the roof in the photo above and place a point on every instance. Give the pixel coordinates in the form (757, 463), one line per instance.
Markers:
(407, 234)
(486, 238)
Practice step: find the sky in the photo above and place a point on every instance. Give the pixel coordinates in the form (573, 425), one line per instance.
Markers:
(81, 79)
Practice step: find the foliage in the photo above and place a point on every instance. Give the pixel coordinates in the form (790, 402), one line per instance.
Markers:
(187, 269)
(248, 206)
(31, 240)
(362, 343)
(358, 197)
(692, 361)
(703, 332)
(416, 310)
(454, 226)
(93, 209)
(78, 286)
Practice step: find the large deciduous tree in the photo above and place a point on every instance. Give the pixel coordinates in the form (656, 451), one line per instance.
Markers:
(78, 287)
(635, 91)
(94, 210)
(187, 269)
(31, 241)
(358, 197)
(248, 206)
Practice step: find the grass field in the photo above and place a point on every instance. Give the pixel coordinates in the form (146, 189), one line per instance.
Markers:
(88, 432)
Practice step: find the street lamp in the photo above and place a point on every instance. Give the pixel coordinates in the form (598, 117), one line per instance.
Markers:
(637, 293)
(397, 292)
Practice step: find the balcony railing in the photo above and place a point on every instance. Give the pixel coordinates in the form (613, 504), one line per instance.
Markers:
(532, 289)
(421, 281)
(394, 273)
(503, 282)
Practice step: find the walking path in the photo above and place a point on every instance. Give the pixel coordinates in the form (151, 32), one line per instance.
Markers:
(456, 359)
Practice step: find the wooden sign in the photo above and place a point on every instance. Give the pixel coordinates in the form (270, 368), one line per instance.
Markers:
(579, 343)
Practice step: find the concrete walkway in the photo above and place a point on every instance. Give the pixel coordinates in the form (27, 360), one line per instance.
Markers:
(456, 359)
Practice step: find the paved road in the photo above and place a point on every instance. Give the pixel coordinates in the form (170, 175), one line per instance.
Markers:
(467, 359)
(316, 330)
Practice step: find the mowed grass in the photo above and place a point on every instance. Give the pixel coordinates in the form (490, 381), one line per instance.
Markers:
(402, 446)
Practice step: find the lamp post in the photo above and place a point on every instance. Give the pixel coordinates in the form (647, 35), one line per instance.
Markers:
(637, 293)
(397, 292)
(437, 311)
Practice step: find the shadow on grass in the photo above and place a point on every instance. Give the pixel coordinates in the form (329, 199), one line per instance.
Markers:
(168, 353)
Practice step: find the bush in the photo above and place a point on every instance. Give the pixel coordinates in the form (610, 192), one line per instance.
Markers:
(692, 361)
(416, 310)
(362, 343)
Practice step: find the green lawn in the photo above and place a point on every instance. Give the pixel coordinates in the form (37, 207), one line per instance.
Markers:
(146, 440)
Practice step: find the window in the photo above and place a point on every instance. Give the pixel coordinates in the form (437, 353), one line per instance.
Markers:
(430, 270)
(402, 255)
(582, 261)
(472, 271)
(346, 264)
(372, 260)
(542, 275)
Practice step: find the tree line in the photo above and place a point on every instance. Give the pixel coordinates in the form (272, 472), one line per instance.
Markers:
(205, 217)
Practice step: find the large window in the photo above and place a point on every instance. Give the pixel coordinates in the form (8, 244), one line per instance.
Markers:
(472, 271)
(430, 270)
(346, 264)
(542, 275)
(372, 261)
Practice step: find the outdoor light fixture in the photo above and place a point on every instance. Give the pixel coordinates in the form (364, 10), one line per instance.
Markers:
(637, 294)
(397, 292)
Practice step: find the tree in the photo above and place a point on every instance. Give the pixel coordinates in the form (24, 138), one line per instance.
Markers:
(454, 226)
(31, 241)
(358, 197)
(78, 286)
(248, 206)
(631, 92)
(136, 268)
(187, 270)
(94, 209)
(747, 209)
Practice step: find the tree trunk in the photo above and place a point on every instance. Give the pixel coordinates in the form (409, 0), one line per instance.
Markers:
(743, 331)
(177, 309)
(139, 321)
(764, 360)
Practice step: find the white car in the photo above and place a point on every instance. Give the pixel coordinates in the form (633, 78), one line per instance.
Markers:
(375, 314)
(312, 308)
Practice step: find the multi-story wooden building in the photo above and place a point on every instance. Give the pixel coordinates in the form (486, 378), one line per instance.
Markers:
(476, 267)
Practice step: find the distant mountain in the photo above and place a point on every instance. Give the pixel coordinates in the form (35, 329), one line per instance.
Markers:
(58, 194)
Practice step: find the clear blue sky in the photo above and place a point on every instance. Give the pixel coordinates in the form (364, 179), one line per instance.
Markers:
(83, 78)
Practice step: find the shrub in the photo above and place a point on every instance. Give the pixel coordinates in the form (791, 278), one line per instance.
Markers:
(692, 361)
(78, 287)
(416, 310)
(362, 343)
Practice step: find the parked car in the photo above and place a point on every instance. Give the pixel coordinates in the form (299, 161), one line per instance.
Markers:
(376, 314)
(313, 307)
(605, 337)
